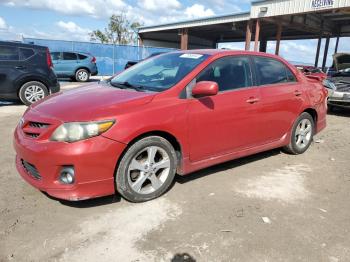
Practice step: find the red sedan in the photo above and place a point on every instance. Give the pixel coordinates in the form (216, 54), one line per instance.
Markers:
(175, 113)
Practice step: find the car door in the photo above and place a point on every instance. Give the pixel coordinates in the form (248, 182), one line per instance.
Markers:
(10, 68)
(281, 98)
(57, 63)
(226, 122)
(69, 63)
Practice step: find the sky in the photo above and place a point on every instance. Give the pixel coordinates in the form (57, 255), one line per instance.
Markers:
(74, 19)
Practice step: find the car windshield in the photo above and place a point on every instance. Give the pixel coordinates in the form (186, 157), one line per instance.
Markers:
(159, 73)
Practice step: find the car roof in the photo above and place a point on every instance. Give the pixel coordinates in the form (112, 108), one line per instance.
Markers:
(221, 52)
(20, 44)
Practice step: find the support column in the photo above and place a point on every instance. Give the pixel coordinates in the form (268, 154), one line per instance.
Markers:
(318, 51)
(325, 53)
(257, 35)
(263, 45)
(140, 41)
(278, 38)
(184, 39)
(248, 35)
(336, 45)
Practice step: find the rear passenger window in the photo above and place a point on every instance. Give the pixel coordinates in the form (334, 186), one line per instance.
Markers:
(271, 71)
(229, 73)
(56, 55)
(9, 53)
(25, 53)
(69, 56)
(82, 57)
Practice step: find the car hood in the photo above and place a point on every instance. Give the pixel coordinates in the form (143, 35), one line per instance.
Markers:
(92, 102)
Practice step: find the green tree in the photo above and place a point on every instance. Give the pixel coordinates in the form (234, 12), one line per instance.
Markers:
(120, 30)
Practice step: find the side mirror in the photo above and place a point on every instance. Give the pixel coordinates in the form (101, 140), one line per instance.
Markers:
(313, 77)
(205, 88)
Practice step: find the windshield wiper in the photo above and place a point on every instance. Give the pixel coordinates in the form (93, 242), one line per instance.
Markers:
(125, 85)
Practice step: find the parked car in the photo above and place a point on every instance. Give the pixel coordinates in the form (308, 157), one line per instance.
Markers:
(131, 63)
(338, 83)
(312, 70)
(175, 113)
(77, 66)
(26, 72)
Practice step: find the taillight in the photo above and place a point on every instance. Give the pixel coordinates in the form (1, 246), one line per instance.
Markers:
(48, 58)
(93, 60)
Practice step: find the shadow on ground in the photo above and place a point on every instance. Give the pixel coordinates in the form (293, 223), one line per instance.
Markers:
(178, 179)
(337, 111)
(227, 165)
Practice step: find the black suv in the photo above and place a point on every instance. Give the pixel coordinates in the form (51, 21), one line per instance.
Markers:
(26, 72)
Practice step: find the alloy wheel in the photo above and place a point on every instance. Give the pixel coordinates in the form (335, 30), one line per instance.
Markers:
(303, 133)
(82, 76)
(148, 170)
(34, 93)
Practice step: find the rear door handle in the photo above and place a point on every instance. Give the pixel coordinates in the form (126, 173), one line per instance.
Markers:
(252, 100)
(20, 67)
(297, 93)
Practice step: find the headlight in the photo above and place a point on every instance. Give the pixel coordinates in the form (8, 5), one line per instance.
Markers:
(75, 131)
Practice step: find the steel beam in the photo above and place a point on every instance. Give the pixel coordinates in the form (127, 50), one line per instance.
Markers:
(278, 38)
(184, 39)
(248, 36)
(257, 35)
(325, 53)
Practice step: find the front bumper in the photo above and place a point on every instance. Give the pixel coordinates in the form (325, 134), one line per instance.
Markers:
(94, 161)
(339, 102)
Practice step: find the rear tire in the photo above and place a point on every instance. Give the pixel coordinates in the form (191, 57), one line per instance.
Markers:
(302, 134)
(82, 75)
(146, 170)
(32, 92)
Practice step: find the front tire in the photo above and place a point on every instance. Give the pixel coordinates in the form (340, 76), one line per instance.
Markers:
(302, 134)
(32, 92)
(82, 75)
(146, 170)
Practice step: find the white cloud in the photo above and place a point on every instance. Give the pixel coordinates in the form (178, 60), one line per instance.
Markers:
(72, 27)
(96, 8)
(3, 25)
(157, 5)
(198, 10)
(145, 11)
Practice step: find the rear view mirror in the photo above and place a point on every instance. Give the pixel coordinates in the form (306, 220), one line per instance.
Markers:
(205, 88)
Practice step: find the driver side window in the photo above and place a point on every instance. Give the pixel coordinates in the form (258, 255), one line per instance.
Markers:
(229, 73)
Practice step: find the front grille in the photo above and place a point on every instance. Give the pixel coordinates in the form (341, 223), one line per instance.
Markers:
(38, 125)
(31, 170)
(34, 129)
(32, 135)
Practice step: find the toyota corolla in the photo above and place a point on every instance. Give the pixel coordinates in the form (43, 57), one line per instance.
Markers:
(172, 114)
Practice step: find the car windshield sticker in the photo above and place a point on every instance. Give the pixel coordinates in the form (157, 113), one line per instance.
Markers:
(192, 56)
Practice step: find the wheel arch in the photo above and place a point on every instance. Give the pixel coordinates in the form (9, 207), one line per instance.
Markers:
(82, 67)
(166, 135)
(313, 113)
(20, 82)
(24, 81)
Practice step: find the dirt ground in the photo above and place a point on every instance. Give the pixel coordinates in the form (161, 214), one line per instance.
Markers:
(267, 207)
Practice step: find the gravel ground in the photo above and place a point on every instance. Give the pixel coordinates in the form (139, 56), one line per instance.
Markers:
(267, 207)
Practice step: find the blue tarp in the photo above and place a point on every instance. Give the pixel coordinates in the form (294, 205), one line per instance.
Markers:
(109, 58)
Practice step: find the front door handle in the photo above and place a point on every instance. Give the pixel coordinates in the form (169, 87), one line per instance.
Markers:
(252, 100)
(297, 93)
(20, 67)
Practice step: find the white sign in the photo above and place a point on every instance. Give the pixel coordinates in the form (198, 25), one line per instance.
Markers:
(320, 4)
(192, 56)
